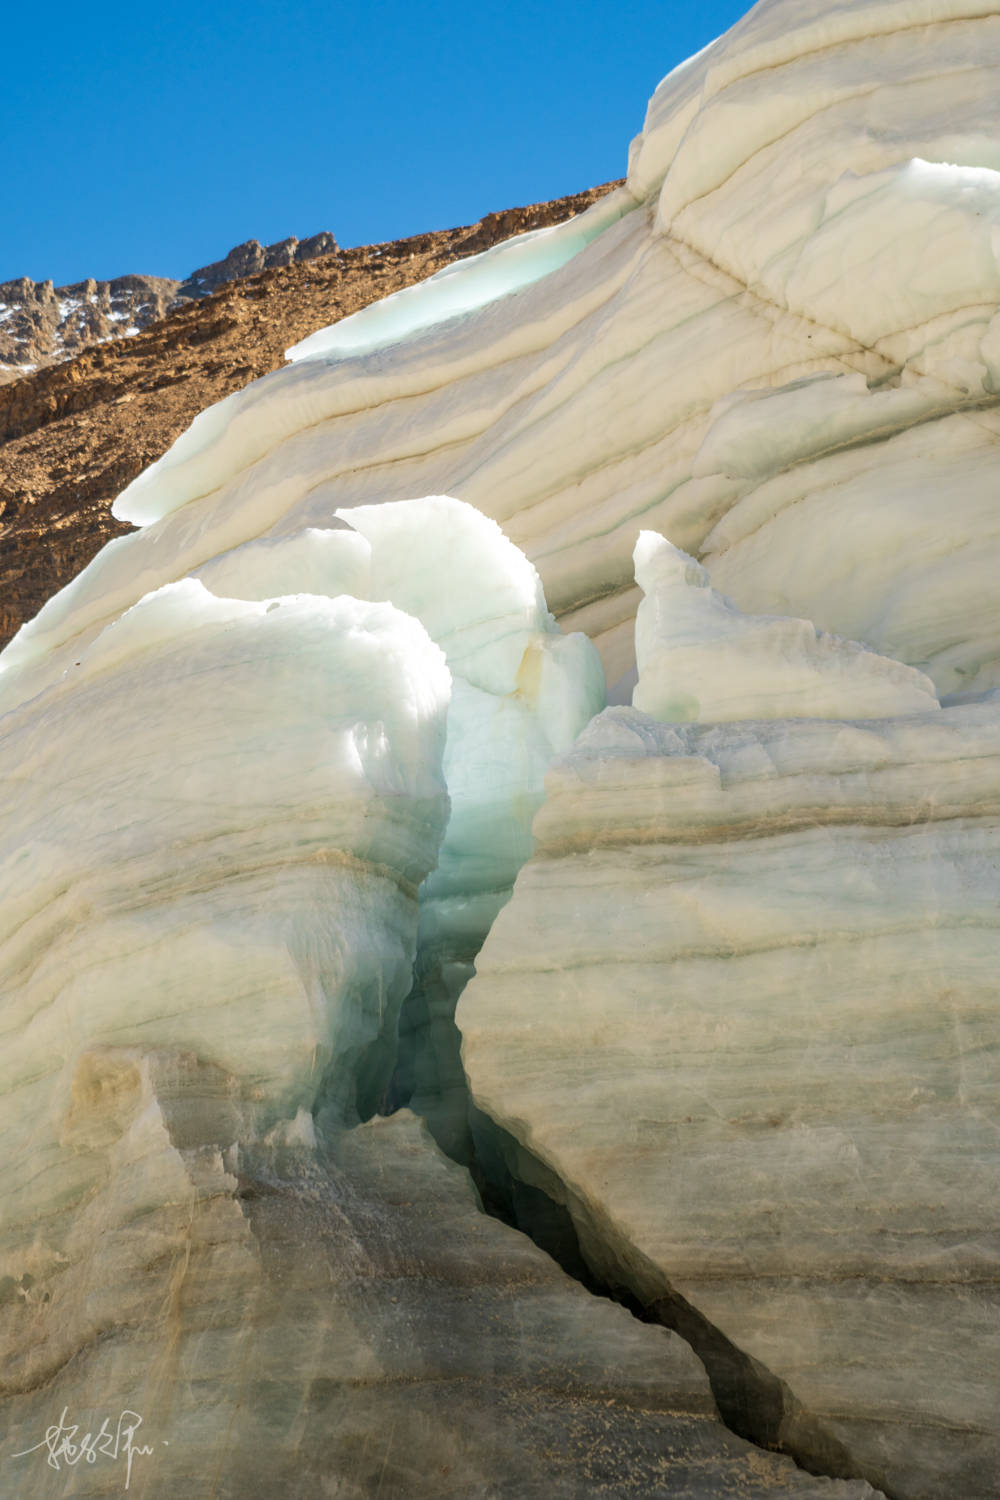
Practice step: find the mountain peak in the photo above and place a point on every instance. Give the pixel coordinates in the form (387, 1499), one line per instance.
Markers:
(42, 324)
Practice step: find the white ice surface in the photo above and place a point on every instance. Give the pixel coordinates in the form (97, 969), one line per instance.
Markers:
(453, 569)
(463, 286)
(214, 830)
(522, 689)
(701, 659)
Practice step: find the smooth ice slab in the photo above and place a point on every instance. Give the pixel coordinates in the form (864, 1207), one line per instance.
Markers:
(214, 834)
(742, 1008)
(701, 658)
(463, 286)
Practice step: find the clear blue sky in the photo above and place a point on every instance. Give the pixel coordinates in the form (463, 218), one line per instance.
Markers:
(153, 138)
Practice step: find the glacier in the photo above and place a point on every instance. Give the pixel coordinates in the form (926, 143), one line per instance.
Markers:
(409, 853)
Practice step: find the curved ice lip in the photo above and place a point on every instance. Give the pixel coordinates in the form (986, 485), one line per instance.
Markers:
(464, 286)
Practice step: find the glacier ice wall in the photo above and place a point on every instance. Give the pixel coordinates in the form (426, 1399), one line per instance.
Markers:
(214, 831)
(270, 766)
(741, 1014)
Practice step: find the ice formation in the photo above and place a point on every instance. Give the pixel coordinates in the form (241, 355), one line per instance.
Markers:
(740, 1014)
(218, 822)
(521, 692)
(217, 890)
(738, 380)
(271, 766)
(700, 658)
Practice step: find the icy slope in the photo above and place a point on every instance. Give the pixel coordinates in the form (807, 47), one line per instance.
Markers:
(736, 379)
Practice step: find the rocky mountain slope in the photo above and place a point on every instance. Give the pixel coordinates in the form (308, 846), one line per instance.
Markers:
(73, 435)
(41, 324)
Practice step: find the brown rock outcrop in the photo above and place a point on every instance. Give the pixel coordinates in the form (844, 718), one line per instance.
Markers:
(41, 324)
(250, 257)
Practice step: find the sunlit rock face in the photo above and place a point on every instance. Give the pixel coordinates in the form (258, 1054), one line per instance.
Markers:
(741, 1013)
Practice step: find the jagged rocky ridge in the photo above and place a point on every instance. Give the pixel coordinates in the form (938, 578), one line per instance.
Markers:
(731, 1043)
(41, 324)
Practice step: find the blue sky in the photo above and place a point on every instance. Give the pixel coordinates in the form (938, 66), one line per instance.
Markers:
(154, 139)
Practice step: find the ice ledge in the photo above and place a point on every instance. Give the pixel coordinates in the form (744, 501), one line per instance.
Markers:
(631, 779)
(702, 658)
